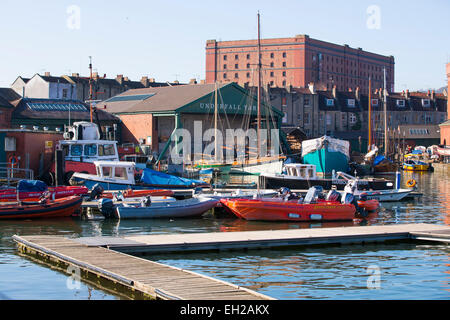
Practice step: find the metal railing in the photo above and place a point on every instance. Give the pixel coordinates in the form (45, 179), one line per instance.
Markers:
(9, 174)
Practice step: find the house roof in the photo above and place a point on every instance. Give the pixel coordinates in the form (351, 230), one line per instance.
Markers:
(57, 109)
(8, 97)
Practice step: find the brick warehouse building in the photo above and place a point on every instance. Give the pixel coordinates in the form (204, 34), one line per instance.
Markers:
(445, 126)
(297, 61)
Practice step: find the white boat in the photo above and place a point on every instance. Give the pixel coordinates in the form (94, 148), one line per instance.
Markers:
(268, 166)
(380, 195)
(250, 194)
(188, 208)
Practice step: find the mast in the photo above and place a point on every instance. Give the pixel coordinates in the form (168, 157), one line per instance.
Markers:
(215, 122)
(90, 86)
(258, 120)
(370, 118)
(385, 117)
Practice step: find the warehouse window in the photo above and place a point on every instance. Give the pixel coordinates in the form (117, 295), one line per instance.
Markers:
(271, 55)
(284, 63)
(284, 54)
(236, 66)
(248, 56)
(236, 57)
(248, 65)
(271, 73)
(225, 57)
(248, 74)
(224, 75)
(284, 73)
(224, 66)
(236, 75)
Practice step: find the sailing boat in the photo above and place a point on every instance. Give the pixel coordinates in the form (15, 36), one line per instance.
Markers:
(214, 165)
(261, 163)
(380, 163)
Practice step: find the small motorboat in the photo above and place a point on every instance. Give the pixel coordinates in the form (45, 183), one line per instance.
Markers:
(416, 165)
(312, 208)
(147, 209)
(130, 193)
(44, 208)
(34, 189)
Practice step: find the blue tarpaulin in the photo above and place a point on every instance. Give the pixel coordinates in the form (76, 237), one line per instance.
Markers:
(31, 185)
(150, 176)
(378, 159)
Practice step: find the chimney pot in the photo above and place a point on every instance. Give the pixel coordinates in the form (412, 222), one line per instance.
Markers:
(47, 74)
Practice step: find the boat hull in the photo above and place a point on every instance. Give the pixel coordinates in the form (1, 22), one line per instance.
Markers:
(296, 183)
(416, 167)
(279, 210)
(55, 192)
(188, 208)
(271, 167)
(326, 161)
(64, 207)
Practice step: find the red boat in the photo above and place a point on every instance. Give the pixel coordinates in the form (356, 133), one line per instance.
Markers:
(63, 207)
(10, 194)
(278, 209)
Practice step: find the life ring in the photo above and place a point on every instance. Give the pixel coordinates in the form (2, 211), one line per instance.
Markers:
(410, 183)
(13, 160)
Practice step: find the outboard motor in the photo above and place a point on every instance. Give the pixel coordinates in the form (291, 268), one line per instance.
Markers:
(106, 207)
(96, 192)
(350, 198)
(312, 194)
(333, 195)
(197, 191)
(146, 202)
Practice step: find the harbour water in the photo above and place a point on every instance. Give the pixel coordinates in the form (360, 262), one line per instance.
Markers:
(381, 271)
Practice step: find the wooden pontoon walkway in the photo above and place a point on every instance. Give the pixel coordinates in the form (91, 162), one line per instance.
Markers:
(106, 258)
(149, 279)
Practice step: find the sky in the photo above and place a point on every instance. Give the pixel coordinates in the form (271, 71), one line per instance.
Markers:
(166, 40)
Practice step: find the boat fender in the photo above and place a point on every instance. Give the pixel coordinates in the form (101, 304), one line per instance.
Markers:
(106, 207)
(411, 183)
(96, 191)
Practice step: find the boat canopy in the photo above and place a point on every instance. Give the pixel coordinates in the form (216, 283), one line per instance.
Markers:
(31, 185)
(334, 145)
(150, 176)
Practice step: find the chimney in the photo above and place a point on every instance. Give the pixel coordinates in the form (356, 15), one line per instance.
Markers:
(47, 74)
(119, 78)
(77, 75)
(403, 93)
(176, 82)
(104, 76)
(334, 91)
(145, 82)
(95, 75)
(311, 88)
(192, 81)
(428, 93)
(357, 93)
(152, 80)
(433, 95)
(407, 94)
(125, 79)
(204, 82)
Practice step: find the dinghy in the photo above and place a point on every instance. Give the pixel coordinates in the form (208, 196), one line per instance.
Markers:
(45, 208)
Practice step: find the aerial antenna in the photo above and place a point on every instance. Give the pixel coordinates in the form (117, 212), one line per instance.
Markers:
(90, 86)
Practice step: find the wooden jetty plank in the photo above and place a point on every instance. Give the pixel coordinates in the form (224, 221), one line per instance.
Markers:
(148, 277)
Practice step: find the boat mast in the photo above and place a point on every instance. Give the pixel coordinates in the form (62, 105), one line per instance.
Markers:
(370, 119)
(90, 86)
(385, 117)
(259, 94)
(215, 122)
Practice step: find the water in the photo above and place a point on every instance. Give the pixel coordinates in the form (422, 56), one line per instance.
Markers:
(382, 271)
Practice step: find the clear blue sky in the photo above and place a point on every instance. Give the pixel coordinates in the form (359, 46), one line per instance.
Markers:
(166, 40)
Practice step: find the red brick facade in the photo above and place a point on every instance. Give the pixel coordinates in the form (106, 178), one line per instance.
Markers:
(445, 127)
(137, 128)
(297, 61)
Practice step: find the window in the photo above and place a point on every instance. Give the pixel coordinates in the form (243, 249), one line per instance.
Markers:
(374, 102)
(64, 93)
(248, 74)
(299, 117)
(248, 65)
(284, 54)
(271, 64)
(306, 118)
(400, 103)
(306, 102)
(284, 82)
(350, 102)
(90, 150)
(224, 66)
(236, 57)
(271, 55)
(284, 63)
(106, 171)
(328, 119)
(120, 173)
(271, 73)
(352, 118)
(425, 102)
(106, 150)
(236, 75)
(76, 150)
(236, 66)
(248, 56)
(284, 73)
(330, 102)
(225, 57)
(224, 75)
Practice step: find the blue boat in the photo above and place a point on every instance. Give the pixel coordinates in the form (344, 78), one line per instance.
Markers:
(327, 154)
(122, 175)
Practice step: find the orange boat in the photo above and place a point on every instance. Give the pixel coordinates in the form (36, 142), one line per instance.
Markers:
(62, 207)
(130, 193)
(278, 209)
(10, 194)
